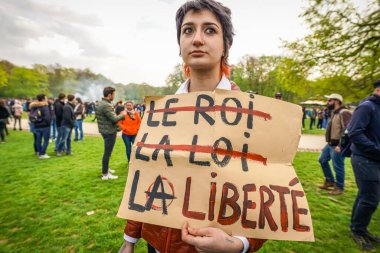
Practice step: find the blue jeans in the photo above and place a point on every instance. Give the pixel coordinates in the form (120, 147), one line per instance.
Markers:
(78, 126)
(59, 137)
(128, 141)
(53, 128)
(45, 134)
(65, 140)
(328, 153)
(367, 175)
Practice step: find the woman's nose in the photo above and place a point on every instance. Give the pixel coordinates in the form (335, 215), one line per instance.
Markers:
(198, 38)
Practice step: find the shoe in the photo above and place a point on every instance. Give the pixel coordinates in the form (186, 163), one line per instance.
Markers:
(2, 142)
(20, 129)
(59, 154)
(109, 176)
(326, 185)
(336, 191)
(45, 156)
(69, 153)
(75, 139)
(37, 154)
(372, 238)
(112, 171)
(362, 242)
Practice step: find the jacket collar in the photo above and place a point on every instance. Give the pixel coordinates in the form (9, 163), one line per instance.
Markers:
(224, 84)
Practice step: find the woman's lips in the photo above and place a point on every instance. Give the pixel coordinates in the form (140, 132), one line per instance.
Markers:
(197, 53)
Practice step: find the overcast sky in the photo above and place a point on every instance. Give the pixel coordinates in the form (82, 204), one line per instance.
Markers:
(131, 40)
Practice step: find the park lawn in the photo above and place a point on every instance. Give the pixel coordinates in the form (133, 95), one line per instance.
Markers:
(44, 202)
(314, 129)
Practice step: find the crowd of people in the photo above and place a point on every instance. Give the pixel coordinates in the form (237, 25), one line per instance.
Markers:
(355, 135)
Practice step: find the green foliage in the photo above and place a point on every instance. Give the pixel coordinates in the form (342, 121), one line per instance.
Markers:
(137, 92)
(24, 83)
(263, 75)
(344, 43)
(174, 80)
(3, 78)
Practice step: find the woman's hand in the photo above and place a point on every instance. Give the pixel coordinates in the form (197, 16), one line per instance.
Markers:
(210, 240)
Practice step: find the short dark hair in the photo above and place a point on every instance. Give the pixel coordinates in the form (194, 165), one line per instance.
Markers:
(376, 84)
(79, 100)
(70, 97)
(61, 96)
(222, 13)
(40, 97)
(108, 90)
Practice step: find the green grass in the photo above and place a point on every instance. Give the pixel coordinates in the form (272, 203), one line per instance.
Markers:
(44, 202)
(307, 130)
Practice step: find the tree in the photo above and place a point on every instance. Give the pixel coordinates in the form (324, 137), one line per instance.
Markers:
(25, 82)
(343, 42)
(3, 78)
(174, 80)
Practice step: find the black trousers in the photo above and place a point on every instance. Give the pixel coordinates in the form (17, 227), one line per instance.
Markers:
(2, 129)
(109, 143)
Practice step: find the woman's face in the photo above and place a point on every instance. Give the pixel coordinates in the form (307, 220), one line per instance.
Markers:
(201, 40)
(129, 106)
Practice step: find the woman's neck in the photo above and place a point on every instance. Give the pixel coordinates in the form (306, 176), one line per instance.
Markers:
(204, 80)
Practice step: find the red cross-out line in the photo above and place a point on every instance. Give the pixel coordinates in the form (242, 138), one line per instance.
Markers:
(214, 108)
(205, 149)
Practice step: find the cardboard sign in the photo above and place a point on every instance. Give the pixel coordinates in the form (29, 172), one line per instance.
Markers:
(220, 159)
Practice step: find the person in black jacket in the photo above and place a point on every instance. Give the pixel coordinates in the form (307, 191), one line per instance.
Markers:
(364, 132)
(40, 116)
(4, 114)
(58, 109)
(67, 125)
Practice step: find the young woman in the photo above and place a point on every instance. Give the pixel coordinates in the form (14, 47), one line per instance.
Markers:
(130, 126)
(204, 33)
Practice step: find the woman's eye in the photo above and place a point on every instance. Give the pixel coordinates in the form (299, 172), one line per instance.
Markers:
(210, 30)
(187, 30)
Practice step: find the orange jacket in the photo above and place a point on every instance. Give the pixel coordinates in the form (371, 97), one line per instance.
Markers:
(130, 126)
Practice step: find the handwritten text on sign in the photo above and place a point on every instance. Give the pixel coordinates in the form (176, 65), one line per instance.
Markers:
(219, 159)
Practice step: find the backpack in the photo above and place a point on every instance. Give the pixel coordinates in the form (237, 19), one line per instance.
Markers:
(345, 144)
(345, 141)
(36, 117)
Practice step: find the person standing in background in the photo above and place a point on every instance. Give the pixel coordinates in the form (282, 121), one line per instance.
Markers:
(40, 116)
(79, 112)
(4, 114)
(108, 127)
(17, 109)
(338, 123)
(364, 132)
(68, 123)
(130, 126)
